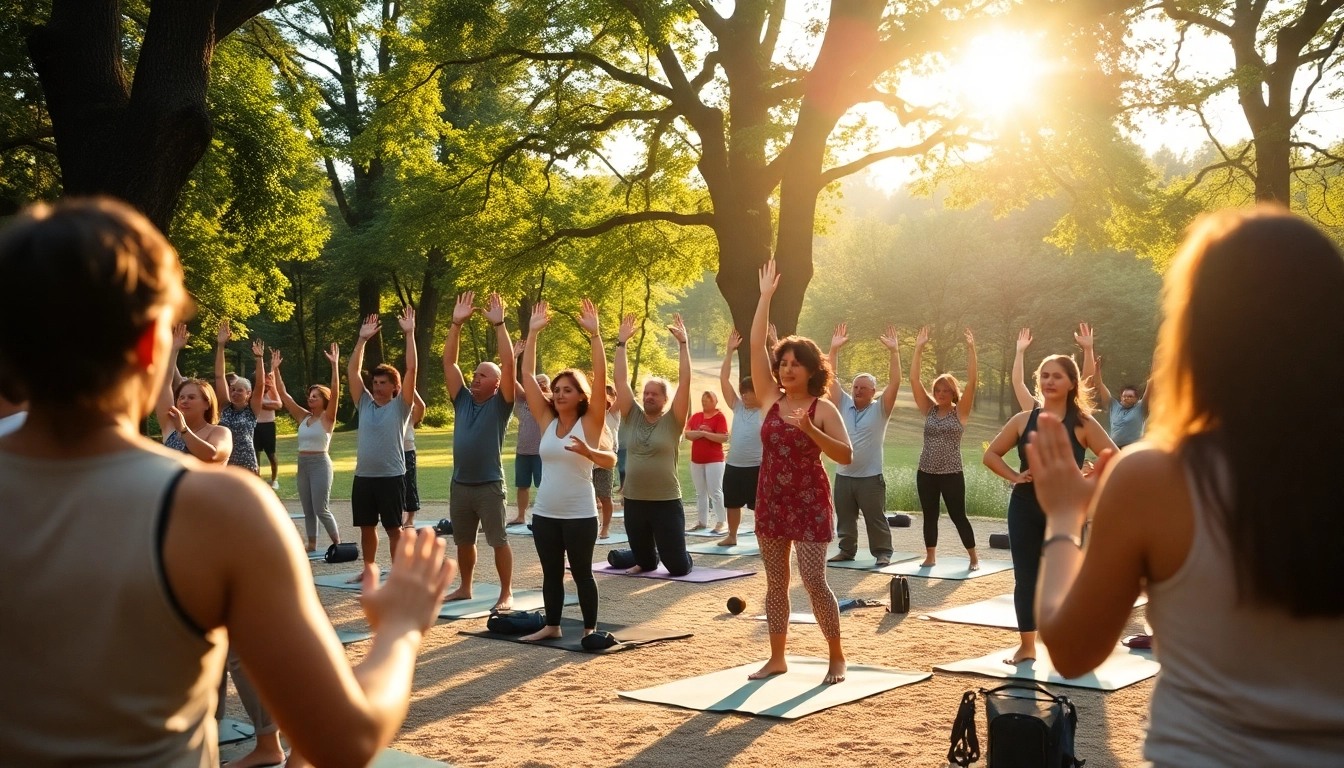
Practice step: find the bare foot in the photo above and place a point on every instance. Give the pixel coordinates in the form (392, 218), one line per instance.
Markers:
(356, 579)
(720, 528)
(840, 557)
(772, 667)
(461, 593)
(505, 603)
(1024, 653)
(928, 563)
(633, 571)
(545, 633)
(975, 564)
(516, 521)
(835, 673)
(604, 534)
(728, 541)
(697, 527)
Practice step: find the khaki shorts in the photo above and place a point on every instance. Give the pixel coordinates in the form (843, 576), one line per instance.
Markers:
(470, 506)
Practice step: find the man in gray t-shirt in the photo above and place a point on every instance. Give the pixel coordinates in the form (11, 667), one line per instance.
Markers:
(481, 414)
(1129, 413)
(380, 463)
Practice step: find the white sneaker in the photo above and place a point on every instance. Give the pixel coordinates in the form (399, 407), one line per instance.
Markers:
(276, 485)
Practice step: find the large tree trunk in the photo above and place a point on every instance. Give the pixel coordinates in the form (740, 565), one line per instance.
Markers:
(427, 314)
(1273, 166)
(744, 245)
(371, 303)
(139, 143)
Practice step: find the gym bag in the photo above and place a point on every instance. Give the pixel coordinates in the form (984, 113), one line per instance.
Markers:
(900, 595)
(1029, 727)
(515, 622)
(342, 553)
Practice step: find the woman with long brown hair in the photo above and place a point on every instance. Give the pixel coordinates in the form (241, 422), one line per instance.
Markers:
(1229, 515)
(188, 413)
(1061, 393)
(793, 494)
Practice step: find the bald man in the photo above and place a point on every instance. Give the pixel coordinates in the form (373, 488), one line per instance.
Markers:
(481, 414)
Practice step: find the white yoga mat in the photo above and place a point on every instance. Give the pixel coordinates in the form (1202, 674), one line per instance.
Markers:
(1124, 667)
(994, 612)
(953, 568)
(744, 546)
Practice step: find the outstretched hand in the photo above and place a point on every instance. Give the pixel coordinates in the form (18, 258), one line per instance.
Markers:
(889, 339)
(627, 328)
(463, 308)
(840, 337)
(276, 359)
(588, 317)
(258, 348)
(678, 329)
(1023, 339)
(369, 328)
(224, 335)
(410, 599)
(518, 347)
(970, 338)
(334, 354)
(1061, 487)
(1085, 338)
(769, 279)
(407, 320)
(922, 340)
(494, 309)
(734, 340)
(180, 336)
(541, 316)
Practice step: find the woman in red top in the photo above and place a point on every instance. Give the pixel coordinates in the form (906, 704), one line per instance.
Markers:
(708, 431)
(793, 494)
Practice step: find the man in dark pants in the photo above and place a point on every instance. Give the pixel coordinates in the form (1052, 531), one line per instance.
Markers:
(654, 518)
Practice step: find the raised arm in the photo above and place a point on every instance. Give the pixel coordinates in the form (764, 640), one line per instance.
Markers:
(417, 410)
(1091, 365)
(329, 415)
(681, 402)
(1025, 400)
(407, 323)
(536, 399)
(452, 375)
(595, 420)
(355, 366)
(297, 411)
(259, 386)
(762, 379)
(508, 377)
(1004, 442)
(221, 383)
(165, 401)
(838, 339)
(625, 397)
(726, 371)
(972, 380)
(922, 400)
(893, 346)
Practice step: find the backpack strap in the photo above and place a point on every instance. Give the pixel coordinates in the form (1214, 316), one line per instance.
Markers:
(1024, 687)
(965, 748)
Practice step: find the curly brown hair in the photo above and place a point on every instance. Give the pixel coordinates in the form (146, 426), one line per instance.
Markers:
(808, 354)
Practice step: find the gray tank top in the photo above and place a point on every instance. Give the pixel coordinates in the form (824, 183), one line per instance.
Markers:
(98, 664)
(1240, 684)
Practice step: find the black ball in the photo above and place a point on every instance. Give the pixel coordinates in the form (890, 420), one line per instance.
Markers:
(736, 605)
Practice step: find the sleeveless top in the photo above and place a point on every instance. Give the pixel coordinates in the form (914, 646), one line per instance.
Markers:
(942, 443)
(313, 436)
(1028, 490)
(174, 442)
(566, 491)
(243, 424)
(1241, 684)
(793, 493)
(98, 663)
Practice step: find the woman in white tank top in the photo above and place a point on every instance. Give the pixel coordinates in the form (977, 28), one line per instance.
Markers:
(162, 558)
(314, 438)
(564, 517)
(1230, 516)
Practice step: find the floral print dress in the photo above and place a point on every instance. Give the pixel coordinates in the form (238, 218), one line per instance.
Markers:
(793, 494)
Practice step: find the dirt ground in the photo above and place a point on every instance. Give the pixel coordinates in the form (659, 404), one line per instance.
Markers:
(484, 702)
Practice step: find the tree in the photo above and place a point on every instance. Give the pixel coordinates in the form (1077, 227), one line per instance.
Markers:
(729, 125)
(1282, 56)
(137, 139)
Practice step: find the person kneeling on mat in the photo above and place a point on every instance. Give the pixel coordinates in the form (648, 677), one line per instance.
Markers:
(654, 518)
(564, 518)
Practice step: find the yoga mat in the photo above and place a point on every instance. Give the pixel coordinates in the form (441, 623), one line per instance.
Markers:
(954, 568)
(869, 563)
(296, 515)
(478, 607)
(994, 612)
(1123, 668)
(796, 693)
(698, 574)
(391, 758)
(630, 637)
(518, 530)
(317, 554)
(338, 581)
(708, 533)
(746, 546)
(615, 538)
(347, 637)
(233, 731)
(424, 524)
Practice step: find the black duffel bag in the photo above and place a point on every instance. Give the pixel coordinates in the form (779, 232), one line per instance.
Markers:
(515, 622)
(1028, 726)
(621, 558)
(342, 553)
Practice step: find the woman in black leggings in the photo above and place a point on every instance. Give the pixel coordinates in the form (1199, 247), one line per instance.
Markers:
(1060, 393)
(564, 517)
(940, 471)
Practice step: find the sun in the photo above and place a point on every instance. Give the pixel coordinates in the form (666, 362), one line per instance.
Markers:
(998, 73)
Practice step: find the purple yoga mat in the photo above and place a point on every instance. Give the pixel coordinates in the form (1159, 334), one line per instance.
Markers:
(697, 575)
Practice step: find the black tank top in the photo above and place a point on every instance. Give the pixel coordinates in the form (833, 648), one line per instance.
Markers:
(1070, 426)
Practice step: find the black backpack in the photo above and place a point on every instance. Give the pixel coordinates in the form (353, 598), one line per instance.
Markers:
(900, 595)
(1029, 727)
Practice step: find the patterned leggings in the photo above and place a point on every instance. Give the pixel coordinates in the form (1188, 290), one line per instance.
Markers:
(812, 565)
